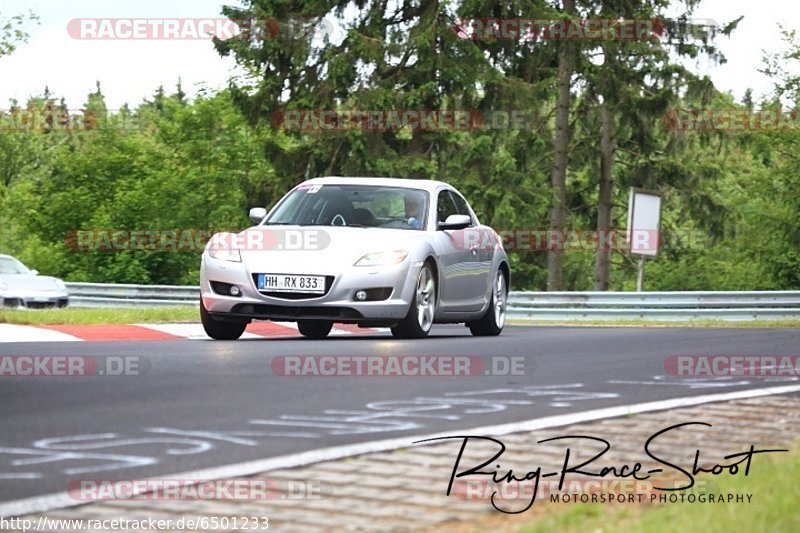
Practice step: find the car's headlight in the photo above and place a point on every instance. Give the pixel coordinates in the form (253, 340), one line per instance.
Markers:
(60, 285)
(225, 254)
(3, 285)
(392, 257)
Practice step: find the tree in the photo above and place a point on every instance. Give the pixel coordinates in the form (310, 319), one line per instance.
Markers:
(566, 66)
(12, 31)
(633, 83)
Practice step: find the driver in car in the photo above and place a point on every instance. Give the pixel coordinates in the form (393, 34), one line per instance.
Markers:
(413, 206)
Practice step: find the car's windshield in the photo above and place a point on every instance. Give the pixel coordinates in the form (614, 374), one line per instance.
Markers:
(9, 265)
(367, 206)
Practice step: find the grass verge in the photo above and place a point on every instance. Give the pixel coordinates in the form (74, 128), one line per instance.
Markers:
(77, 315)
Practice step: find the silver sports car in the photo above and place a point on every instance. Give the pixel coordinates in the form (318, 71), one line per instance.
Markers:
(370, 251)
(22, 287)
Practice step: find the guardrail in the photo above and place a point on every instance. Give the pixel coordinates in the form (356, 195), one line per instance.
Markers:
(121, 295)
(565, 306)
(716, 305)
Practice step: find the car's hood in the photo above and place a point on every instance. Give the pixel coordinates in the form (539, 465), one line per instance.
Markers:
(318, 249)
(29, 282)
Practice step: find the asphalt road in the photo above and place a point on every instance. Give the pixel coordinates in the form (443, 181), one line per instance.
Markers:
(203, 403)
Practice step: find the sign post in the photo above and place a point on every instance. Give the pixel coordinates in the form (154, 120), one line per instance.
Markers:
(644, 224)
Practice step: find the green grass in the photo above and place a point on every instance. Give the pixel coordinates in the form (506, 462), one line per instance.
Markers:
(662, 323)
(99, 316)
(773, 506)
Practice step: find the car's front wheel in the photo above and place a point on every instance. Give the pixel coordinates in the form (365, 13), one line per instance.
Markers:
(417, 323)
(492, 322)
(218, 329)
(315, 329)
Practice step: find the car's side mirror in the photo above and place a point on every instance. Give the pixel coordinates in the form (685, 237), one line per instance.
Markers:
(257, 214)
(455, 222)
(35, 272)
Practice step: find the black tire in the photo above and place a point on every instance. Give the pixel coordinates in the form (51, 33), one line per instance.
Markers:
(218, 329)
(314, 329)
(491, 323)
(414, 325)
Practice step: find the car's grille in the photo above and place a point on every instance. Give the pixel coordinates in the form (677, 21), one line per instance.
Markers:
(293, 313)
(40, 305)
(295, 295)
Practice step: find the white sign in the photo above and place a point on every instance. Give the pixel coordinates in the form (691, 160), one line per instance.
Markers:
(644, 222)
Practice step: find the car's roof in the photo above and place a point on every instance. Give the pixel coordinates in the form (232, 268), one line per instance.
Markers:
(423, 184)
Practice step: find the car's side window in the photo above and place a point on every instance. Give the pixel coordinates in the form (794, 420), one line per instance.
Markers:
(461, 205)
(445, 206)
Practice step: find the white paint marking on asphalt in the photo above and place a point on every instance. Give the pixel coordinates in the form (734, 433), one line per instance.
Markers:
(190, 331)
(343, 425)
(292, 434)
(40, 456)
(40, 504)
(701, 383)
(559, 396)
(14, 333)
(246, 335)
(338, 422)
(233, 437)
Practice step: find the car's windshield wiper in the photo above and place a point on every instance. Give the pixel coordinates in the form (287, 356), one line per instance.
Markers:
(318, 224)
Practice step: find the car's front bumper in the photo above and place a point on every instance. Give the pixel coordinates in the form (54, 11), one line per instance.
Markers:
(34, 299)
(338, 303)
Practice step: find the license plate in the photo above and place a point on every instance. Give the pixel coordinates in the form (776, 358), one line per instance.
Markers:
(291, 283)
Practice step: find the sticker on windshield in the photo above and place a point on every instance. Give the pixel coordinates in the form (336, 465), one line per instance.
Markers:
(309, 188)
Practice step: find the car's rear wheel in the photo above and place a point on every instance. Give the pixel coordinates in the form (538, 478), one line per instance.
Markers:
(419, 320)
(218, 329)
(315, 329)
(492, 322)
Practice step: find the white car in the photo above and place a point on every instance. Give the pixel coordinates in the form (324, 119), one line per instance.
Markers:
(388, 252)
(22, 287)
